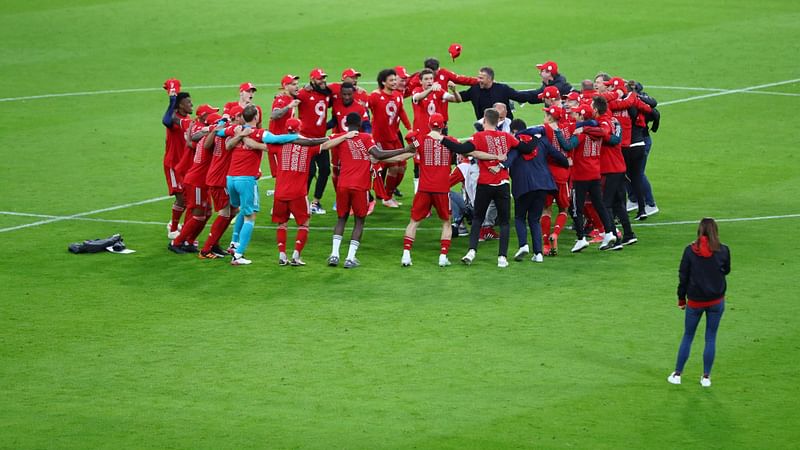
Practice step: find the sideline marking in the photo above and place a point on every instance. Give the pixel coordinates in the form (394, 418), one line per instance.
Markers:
(733, 91)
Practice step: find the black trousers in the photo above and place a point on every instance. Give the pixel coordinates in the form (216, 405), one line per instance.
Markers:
(323, 161)
(579, 191)
(634, 157)
(484, 194)
(527, 211)
(614, 200)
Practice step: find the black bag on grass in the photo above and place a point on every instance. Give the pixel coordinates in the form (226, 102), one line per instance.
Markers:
(97, 245)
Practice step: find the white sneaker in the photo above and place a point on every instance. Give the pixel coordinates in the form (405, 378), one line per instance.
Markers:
(405, 261)
(674, 379)
(608, 240)
(521, 253)
(469, 257)
(172, 235)
(240, 261)
(705, 382)
(631, 206)
(443, 261)
(537, 258)
(391, 203)
(651, 210)
(580, 244)
(317, 209)
(502, 261)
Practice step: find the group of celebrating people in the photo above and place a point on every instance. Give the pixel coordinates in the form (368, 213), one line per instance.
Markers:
(587, 158)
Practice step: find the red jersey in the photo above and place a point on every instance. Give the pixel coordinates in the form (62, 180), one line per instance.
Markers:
(185, 162)
(176, 141)
(229, 105)
(443, 76)
(293, 163)
(340, 112)
(611, 159)
(496, 143)
(196, 175)
(313, 113)
(219, 165)
(352, 158)
(245, 161)
(434, 162)
(360, 96)
(278, 126)
(423, 109)
(560, 174)
(385, 110)
(586, 158)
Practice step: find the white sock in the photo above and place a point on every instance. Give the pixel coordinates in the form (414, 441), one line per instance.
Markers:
(416, 184)
(337, 242)
(295, 255)
(406, 253)
(351, 253)
(282, 256)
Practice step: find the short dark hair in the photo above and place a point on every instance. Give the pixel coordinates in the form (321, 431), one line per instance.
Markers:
(250, 113)
(600, 104)
(431, 63)
(587, 85)
(491, 116)
(488, 71)
(518, 125)
(426, 71)
(353, 120)
(383, 75)
(181, 96)
(603, 75)
(347, 85)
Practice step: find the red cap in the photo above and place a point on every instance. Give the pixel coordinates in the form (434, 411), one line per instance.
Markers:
(205, 109)
(550, 92)
(455, 51)
(173, 83)
(584, 110)
(350, 73)
(213, 118)
(293, 124)
(616, 83)
(288, 79)
(317, 74)
(436, 121)
(234, 111)
(556, 111)
(247, 87)
(574, 96)
(549, 66)
(401, 72)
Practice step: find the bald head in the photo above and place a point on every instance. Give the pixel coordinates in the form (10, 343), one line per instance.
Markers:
(501, 109)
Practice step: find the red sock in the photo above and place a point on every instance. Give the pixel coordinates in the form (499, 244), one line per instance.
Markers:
(302, 237)
(189, 226)
(561, 220)
(177, 212)
(282, 238)
(591, 213)
(545, 221)
(196, 232)
(391, 184)
(445, 246)
(407, 242)
(217, 230)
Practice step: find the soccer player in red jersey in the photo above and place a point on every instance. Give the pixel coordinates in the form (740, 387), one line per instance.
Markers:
(291, 189)
(430, 98)
(247, 92)
(193, 135)
(585, 153)
(386, 106)
(434, 186)
(177, 120)
(283, 106)
(315, 99)
(443, 77)
(194, 185)
(345, 104)
(351, 76)
(353, 157)
(402, 82)
(216, 180)
(493, 183)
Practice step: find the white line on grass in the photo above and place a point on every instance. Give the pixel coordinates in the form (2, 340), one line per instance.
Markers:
(143, 222)
(79, 215)
(733, 91)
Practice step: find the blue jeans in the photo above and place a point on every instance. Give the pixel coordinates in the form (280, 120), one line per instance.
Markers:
(457, 206)
(693, 315)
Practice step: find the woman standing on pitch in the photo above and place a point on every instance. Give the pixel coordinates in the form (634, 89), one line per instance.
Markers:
(701, 287)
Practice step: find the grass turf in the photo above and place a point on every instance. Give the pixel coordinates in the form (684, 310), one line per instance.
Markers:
(156, 350)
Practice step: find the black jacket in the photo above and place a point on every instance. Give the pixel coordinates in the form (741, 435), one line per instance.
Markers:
(703, 278)
(498, 93)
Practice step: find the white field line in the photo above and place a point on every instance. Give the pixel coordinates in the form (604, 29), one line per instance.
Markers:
(143, 222)
(79, 215)
(733, 91)
(231, 86)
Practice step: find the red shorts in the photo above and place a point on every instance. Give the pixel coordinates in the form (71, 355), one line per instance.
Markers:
(298, 206)
(351, 198)
(196, 197)
(561, 198)
(395, 164)
(423, 201)
(173, 181)
(219, 195)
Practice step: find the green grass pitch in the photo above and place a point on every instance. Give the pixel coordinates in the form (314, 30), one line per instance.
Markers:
(155, 350)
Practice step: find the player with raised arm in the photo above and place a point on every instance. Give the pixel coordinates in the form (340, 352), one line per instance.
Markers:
(176, 119)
